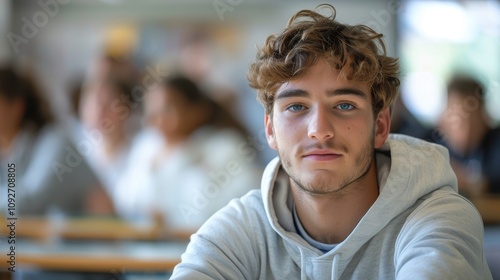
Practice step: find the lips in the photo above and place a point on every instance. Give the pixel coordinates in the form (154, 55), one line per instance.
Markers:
(321, 155)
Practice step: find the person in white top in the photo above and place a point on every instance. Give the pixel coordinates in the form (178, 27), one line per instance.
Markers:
(202, 163)
(107, 128)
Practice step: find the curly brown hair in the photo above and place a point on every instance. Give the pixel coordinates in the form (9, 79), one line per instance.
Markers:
(357, 51)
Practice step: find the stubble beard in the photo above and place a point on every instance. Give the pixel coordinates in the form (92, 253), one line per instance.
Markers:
(332, 186)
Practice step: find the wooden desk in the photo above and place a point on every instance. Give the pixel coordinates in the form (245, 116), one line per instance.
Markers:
(91, 229)
(91, 256)
(489, 208)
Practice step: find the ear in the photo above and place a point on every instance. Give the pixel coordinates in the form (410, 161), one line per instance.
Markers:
(382, 127)
(270, 136)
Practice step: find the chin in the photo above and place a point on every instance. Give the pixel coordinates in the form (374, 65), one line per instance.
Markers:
(322, 185)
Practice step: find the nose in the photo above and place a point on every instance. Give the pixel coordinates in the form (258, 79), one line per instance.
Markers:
(320, 126)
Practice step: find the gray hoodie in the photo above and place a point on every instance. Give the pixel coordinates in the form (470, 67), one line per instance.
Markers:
(418, 228)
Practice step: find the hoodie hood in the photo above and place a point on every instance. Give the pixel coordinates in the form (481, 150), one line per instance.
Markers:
(408, 169)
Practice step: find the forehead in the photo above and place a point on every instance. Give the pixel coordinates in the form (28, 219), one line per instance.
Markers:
(101, 91)
(161, 96)
(322, 77)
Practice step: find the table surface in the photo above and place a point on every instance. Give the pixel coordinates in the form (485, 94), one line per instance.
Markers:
(97, 256)
(91, 228)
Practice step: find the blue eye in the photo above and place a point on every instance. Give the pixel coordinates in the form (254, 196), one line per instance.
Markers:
(295, 108)
(345, 107)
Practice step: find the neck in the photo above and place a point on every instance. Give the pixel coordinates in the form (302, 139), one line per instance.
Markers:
(113, 142)
(331, 218)
(172, 141)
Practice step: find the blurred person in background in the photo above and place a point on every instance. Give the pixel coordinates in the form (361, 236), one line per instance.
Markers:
(106, 111)
(203, 161)
(106, 123)
(51, 175)
(468, 133)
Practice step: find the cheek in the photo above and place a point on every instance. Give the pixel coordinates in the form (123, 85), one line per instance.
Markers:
(356, 131)
(354, 128)
(278, 128)
(289, 134)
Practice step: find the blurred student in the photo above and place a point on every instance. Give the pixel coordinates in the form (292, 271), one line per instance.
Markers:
(50, 174)
(106, 111)
(468, 133)
(203, 161)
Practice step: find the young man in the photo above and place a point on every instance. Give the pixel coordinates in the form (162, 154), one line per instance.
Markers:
(344, 200)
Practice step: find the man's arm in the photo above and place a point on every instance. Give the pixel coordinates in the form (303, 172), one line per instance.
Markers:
(442, 239)
(223, 248)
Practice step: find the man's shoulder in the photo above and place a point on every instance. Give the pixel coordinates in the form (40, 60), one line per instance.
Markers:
(239, 213)
(442, 207)
(242, 224)
(251, 202)
(446, 199)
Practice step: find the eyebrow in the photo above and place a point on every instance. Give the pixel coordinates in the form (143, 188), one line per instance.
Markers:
(330, 93)
(347, 91)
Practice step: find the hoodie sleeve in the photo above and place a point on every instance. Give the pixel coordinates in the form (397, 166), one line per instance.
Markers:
(223, 247)
(442, 239)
